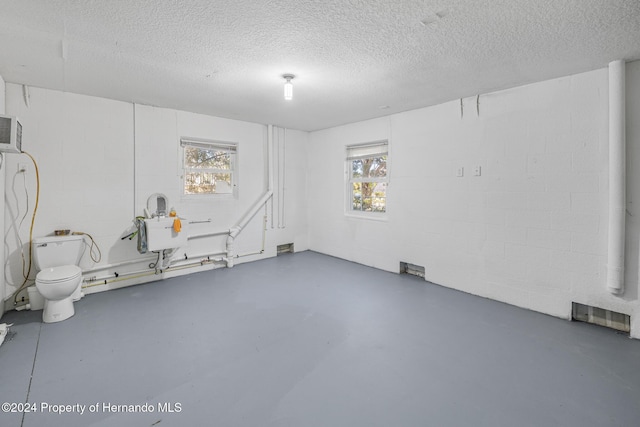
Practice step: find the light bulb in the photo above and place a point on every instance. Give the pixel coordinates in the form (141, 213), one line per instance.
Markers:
(288, 90)
(288, 87)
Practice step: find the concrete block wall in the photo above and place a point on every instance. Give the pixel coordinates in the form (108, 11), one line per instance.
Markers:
(3, 172)
(99, 161)
(159, 170)
(531, 230)
(84, 151)
(632, 257)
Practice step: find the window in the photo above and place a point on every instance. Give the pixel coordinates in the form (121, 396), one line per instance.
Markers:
(368, 177)
(209, 166)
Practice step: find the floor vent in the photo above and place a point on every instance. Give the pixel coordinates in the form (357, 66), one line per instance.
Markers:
(414, 270)
(599, 316)
(287, 248)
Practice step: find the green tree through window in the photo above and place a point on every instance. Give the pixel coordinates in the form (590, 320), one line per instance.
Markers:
(367, 164)
(208, 167)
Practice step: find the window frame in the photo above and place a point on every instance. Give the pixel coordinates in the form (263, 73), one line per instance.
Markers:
(364, 151)
(209, 144)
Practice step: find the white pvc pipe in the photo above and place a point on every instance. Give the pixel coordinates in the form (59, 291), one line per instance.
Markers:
(211, 234)
(208, 255)
(239, 226)
(617, 178)
(104, 279)
(117, 264)
(281, 178)
(269, 158)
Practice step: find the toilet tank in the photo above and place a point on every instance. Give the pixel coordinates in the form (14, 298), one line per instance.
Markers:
(54, 251)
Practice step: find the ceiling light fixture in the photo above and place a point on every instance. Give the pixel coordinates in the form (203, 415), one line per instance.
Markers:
(288, 86)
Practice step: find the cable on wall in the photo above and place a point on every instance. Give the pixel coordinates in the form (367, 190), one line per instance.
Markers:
(33, 220)
(97, 257)
(18, 227)
(25, 273)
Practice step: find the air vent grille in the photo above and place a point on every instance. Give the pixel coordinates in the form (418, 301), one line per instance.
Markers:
(285, 249)
(602, 317)
(414, 270)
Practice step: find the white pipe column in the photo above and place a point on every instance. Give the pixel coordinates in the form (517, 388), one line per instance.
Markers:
(239, 226)
(617, 178)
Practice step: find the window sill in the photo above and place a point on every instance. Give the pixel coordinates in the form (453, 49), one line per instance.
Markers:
(380, 217)
(208, 197)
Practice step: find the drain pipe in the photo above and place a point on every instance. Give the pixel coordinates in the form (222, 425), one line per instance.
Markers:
(617, 178)
(239, 226)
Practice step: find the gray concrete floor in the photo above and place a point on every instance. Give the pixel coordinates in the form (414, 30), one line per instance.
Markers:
(307, 340)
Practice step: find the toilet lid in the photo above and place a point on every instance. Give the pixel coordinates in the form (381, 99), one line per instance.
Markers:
(58, 274)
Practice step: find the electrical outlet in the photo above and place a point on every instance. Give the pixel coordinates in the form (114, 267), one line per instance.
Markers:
(22, 167)
(460, 172)
(477, 171)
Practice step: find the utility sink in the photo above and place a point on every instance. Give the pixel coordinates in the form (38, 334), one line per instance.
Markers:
(161, 234)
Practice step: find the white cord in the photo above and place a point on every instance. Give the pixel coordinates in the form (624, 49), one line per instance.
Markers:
(26, 211)
(26, 192)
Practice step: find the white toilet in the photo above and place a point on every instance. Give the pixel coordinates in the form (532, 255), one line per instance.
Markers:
(59, 279)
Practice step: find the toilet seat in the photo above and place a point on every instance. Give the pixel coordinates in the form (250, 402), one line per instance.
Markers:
(63, 273)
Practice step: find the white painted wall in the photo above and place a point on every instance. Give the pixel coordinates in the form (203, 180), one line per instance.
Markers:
(100, 160)
(159, 169)
(3, 172)
(530, 231)
(632, 256)
(2, 95)
(83, 147)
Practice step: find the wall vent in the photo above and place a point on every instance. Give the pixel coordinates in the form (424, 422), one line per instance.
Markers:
(602, 317)
(285, 249)
(414, 270)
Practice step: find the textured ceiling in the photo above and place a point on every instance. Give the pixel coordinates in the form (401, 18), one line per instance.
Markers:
(353, 59)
